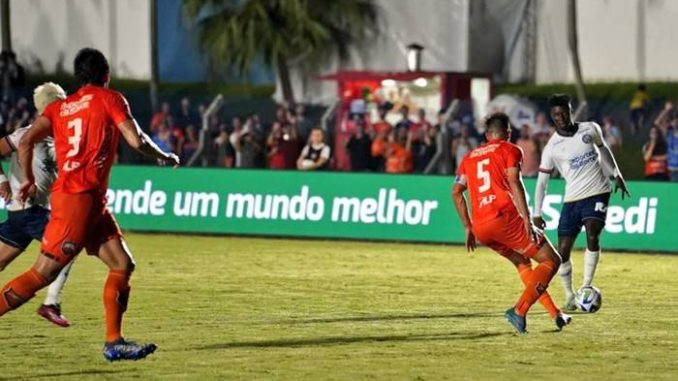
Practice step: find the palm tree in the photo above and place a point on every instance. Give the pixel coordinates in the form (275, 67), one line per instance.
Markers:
(239, 33)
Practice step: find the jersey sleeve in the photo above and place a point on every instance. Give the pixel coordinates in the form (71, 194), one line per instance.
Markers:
(460, 177)
(325, 153)
(514, 157)
(597, 135)
(14, 138)
(118, 108)
(546, 165)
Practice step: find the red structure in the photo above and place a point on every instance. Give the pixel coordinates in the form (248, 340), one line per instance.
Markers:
(359, 84)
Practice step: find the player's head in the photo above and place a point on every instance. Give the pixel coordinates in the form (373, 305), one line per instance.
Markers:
(498, 126)
(317, 136)
(45, 94)
(561, 110)
(91, 67)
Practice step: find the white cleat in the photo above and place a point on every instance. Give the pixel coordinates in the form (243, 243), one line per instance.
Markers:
(570, 303)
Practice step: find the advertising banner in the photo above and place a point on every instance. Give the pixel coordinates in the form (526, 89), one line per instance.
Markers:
(351, 205)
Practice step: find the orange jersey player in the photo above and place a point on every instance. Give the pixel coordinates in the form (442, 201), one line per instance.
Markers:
(501, 220)
(86, 127)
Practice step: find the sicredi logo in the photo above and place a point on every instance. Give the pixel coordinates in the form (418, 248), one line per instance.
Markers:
(638, 219)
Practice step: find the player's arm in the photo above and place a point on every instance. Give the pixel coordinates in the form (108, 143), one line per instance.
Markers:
(141, 142)
(515, 181)
(462, 210)
(42, 128)
(545, 170)
(609, 163)
(6, 149)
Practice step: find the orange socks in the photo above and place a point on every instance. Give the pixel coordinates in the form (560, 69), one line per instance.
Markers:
(116, 294)
(537, 283)
(20, 290)
(545, 299)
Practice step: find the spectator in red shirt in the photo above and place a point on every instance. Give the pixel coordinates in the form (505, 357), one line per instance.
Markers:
(160, 116)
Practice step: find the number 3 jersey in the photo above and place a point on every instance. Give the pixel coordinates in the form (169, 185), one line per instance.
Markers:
(483, 172)
(86, 137)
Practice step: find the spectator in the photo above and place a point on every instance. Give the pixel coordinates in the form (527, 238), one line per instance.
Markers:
(282, 115)
(396, 150)
(190, 144)
(638, 108)
(423, 123)
(611, 133)
(423, 147)
(316, 154)
(441, 162)
(283, 146)
(234, 139)
(463, 144)
(382, 127)
(163, 138)
(160, 116)
(303, 125)
(405, 122)
(541, 124)
(672, 148)
(530, 146)
(655, 155)
(250, 149)
(358, 147)
(224, 148)
(185, 115)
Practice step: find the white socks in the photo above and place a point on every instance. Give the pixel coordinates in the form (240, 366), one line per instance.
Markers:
(54, 290)
(565, 273)
(590, 264)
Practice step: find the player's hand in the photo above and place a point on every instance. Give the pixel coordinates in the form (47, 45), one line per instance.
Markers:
(171, 159)
(619, 183)
(539, 222)
(5, 191)
(26, 191)
(470, 240)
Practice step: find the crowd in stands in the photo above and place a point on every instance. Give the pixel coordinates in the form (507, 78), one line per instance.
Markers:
(407, 145)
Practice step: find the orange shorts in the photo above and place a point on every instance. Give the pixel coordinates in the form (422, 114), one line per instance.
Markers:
(77, 221)
(506, 234)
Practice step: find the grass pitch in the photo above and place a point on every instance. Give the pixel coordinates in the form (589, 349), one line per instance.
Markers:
(237, 308)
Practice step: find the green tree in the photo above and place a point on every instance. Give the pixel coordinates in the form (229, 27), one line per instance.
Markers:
(238, 33)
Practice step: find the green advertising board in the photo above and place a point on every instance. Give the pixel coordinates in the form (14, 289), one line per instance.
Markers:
(350, 205)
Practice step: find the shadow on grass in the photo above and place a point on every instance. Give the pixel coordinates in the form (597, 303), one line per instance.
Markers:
(332, 341)
(86, 372)
(424, 316)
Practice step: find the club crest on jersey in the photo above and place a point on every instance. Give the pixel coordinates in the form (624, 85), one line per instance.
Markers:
(587, 138)
(487, 200)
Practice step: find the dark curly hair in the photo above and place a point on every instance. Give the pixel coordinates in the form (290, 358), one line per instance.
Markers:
(91, 67)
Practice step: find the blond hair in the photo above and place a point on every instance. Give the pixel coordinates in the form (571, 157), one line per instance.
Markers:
(47, 93)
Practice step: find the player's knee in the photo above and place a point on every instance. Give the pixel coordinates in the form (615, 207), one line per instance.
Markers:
(593, 241)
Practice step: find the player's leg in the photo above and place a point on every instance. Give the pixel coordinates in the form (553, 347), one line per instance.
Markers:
(548, 261)
(569, 226)
(117, 256)
(593, 215)
(524, 268)
(592, 254)
(7, 254)
(13, 239)
(23, 288)
(51, 306)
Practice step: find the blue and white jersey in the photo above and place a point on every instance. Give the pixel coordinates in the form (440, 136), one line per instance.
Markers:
(44, 170)
(577, 158)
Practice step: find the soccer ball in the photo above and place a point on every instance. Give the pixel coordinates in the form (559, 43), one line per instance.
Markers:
(589, 299)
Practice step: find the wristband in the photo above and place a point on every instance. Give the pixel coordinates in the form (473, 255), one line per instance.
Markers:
(3, 178)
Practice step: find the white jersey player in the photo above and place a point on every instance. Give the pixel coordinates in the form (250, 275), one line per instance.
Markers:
(26, 221)
(580, 154)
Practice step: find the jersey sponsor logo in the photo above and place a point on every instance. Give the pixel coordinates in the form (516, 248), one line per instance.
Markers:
(487, 200)
(71, 108)
(587, 138)
(583, 160)
(480, 151)
(600, 207)
(70, 166)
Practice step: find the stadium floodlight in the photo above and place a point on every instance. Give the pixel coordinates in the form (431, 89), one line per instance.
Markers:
(421, 82)
(388, 82)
